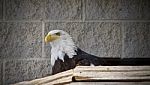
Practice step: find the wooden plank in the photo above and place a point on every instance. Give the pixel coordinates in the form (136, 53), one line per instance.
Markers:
(109, 83)
(112, 73)
(54, 78)
(144, 75)
(112, 68)
(60, 81)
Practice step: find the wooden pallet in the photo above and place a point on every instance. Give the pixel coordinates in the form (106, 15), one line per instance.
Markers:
(104, 75)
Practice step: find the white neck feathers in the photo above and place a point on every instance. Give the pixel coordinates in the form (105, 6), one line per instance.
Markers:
(62, 46)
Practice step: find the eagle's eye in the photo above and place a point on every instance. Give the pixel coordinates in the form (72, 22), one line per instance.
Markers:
(58, 33)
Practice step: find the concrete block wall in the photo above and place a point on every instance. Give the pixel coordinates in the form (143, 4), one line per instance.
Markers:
(106, 28)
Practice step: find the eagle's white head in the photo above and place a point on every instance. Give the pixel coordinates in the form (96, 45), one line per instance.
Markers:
(61, 43)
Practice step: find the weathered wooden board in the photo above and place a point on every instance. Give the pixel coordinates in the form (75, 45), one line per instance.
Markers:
(112, 68)
(120, 75)
(112, 73)
(109, 83)
(60, 81)
(62, 77)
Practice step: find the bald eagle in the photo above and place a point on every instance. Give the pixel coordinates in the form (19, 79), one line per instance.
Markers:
(66, 55)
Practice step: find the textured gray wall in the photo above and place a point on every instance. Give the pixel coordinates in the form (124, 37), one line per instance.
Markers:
(106, 28)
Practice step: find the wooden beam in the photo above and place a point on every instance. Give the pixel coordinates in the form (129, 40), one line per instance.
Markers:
(123, 73)
(57, 78)
(112, 68)
(109, 83)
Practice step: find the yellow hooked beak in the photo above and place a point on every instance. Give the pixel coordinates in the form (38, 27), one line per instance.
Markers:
(50, 38)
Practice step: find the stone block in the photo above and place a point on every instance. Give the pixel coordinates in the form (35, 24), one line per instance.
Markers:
(24, 70)
(15, 71)
(20, 40)
(24, 9)
(1, 72)
(1, 9)
(63, 9)
(101, 39)
(39, 69)
(137, 40)
(117, 9)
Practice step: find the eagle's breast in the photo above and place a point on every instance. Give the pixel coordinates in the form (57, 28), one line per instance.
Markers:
(61, 48)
